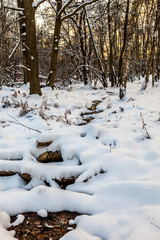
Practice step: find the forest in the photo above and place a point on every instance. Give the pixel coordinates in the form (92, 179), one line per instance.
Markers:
(79, 119)
(49, 42)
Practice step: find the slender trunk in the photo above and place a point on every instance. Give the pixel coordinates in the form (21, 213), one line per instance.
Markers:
(22, 23)
(103, 78)
(158, 54)
(121, 79)
(153, 71)
(82, 47)
(151, 56)
(3, 45)
(55, 50)
(85, 62)
(120, 68)
(158, 57)
(111, 71)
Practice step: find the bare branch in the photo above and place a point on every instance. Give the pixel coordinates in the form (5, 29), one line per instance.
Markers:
(78, 8)
(22, 66)
(95, 69)
(16, 20)
(155, 225)
(14, 49)
(51, 3)
(17, 122)
(67, 3)
(14, 8)
(36, 4)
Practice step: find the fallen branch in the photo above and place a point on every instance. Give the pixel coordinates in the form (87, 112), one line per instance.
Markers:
(18, 123)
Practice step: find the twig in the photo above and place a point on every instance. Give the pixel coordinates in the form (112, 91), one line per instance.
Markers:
(155, 225)
(14, 8)
(144, 126)
(17, 122)
(14, 49)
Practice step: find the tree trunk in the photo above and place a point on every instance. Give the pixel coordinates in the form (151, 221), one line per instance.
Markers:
(112, 76)
(158, 49)
(28, 38)
(55, 50)
(158, 55)
(103, 76)
(3, 45)
(151, 56)
(22, 23)
(121, 79)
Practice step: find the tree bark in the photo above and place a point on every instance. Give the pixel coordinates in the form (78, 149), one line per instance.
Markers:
(22, 23)
(28, 38)
(54, 53)
(3, 44)
(121, 79)
(60, 10)
(151, 56)
(112, 76)
(103, 78)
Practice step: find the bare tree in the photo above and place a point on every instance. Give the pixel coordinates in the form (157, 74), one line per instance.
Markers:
(63, 12)
(121, 79)
(152, 52)
(29, 44)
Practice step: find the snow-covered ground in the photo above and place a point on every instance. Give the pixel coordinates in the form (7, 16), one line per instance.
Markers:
(115, 159)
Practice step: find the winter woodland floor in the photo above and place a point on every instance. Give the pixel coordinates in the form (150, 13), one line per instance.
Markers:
(80, 164)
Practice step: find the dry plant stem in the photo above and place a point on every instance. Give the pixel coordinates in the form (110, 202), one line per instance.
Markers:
(144, 126)
(155, 225)
(17, 122)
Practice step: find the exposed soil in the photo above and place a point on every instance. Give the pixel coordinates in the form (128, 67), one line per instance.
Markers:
(53, 227)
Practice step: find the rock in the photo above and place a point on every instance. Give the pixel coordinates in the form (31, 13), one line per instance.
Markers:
(26, 177)
(6, 174)
(42, 213)
(43, 144)
(63, 183)
(4, 219)
(95, 103)
(50, 157)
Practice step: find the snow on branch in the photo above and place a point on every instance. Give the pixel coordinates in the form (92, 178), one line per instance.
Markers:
(10, 23)
(67, 3)
(88, 66)
(78, 8)
(14, 49)
(17, 122)
(52, 5)
(36, 4)
(14, 8)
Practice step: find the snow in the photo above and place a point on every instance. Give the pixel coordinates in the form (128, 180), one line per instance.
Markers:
(42, 213)
(4, 224)
(19, 220)
(117, 168)
(36, 4)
